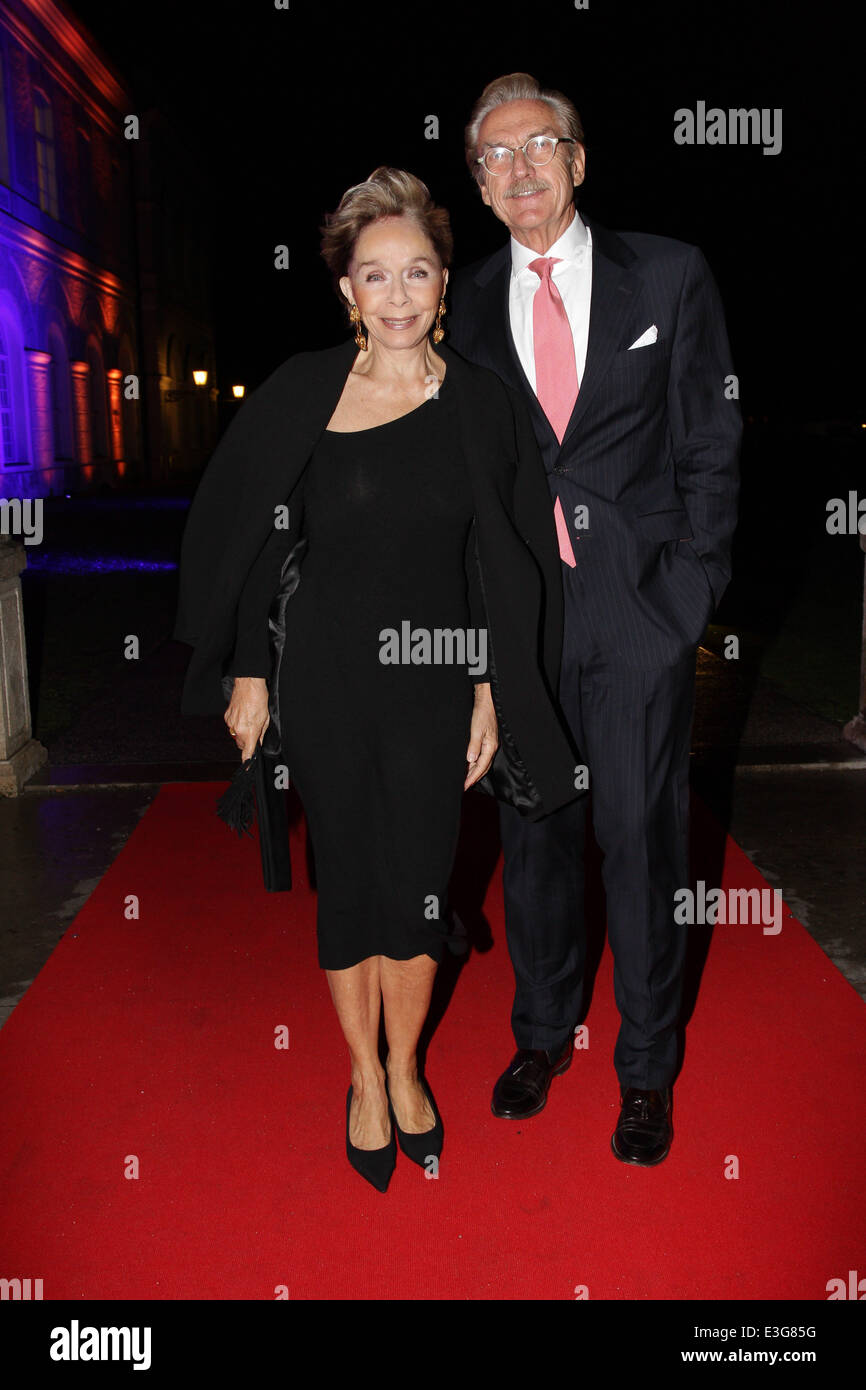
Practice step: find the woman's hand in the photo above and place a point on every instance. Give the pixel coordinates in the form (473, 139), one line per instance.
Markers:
(247, 715)
(483, 735)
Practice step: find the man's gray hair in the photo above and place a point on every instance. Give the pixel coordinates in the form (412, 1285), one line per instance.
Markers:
(518, 86)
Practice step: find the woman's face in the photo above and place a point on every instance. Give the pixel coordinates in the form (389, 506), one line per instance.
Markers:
(396, 279)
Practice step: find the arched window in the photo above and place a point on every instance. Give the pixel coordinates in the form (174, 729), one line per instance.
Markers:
(7, 433)
(46, 161)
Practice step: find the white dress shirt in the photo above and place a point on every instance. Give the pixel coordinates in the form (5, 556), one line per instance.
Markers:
(573, 279)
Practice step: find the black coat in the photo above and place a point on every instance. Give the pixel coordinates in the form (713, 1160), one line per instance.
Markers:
(254, 469)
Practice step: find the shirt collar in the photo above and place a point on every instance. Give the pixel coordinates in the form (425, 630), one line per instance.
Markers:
(567, 248)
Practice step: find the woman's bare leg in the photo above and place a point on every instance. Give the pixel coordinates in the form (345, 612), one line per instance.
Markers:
(357, 994)
(406, 989)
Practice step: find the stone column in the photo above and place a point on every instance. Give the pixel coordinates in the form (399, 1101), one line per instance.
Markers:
(115, 418)
(80, 372)
(20, 754)
(42, 432)
(855, 729)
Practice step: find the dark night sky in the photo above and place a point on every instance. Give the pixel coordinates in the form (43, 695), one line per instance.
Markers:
(780, 231)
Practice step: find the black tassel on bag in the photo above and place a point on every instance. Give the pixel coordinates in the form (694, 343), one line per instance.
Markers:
(253, 790)
(237, 805)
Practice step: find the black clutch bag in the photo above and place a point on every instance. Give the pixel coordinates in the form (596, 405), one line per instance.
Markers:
(253, 788)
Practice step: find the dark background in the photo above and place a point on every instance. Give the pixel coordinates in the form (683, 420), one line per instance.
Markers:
(288, 108)
(250, 84)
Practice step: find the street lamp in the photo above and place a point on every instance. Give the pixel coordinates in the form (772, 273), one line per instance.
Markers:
(199, 376)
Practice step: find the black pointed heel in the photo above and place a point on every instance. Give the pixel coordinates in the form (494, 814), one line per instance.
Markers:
(376, 1165)
(420, 1147)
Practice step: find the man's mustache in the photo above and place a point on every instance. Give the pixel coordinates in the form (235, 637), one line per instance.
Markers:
(527, 186)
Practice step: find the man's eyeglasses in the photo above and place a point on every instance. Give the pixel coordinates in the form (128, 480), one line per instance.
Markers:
(538, 150)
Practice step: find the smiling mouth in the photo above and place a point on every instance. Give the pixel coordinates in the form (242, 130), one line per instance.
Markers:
(399, 323)
(526, 192)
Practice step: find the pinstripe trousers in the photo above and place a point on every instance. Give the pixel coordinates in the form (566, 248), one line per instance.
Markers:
(633, 727)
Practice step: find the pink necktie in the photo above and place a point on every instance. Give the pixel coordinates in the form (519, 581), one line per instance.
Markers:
(555, 371)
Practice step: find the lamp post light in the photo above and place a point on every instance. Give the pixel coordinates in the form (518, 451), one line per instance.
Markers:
(199, 376)
(192, 422)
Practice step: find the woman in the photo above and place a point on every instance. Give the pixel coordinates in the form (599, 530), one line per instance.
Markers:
(417, 498)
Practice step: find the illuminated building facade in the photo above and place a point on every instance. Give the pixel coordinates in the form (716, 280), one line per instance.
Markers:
(104, 303)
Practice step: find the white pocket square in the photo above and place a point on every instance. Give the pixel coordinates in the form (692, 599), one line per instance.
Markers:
(645, 339)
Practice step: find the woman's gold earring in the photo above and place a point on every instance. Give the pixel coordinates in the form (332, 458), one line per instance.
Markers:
(355, 318)
(439, 331)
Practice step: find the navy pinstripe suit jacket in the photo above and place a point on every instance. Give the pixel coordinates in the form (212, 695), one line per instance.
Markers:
(652, 447)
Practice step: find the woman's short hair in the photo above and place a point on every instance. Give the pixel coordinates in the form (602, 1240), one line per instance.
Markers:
(517, 86)
(386, 193)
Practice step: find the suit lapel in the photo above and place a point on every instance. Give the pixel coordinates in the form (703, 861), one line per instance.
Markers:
(494, 333)
(541, 423)
(615, 290)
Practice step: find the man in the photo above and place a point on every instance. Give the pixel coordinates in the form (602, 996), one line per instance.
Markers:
(618, 343)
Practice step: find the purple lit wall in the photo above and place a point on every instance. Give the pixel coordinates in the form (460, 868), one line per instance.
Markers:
(91, 395)
(67, 287)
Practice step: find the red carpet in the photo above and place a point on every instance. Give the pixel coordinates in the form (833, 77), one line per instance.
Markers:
(155, 1038)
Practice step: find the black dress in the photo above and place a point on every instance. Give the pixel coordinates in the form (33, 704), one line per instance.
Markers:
(376, 748)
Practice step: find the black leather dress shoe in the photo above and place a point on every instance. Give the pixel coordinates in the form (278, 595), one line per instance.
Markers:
(644, 1131)
(521, 1091)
